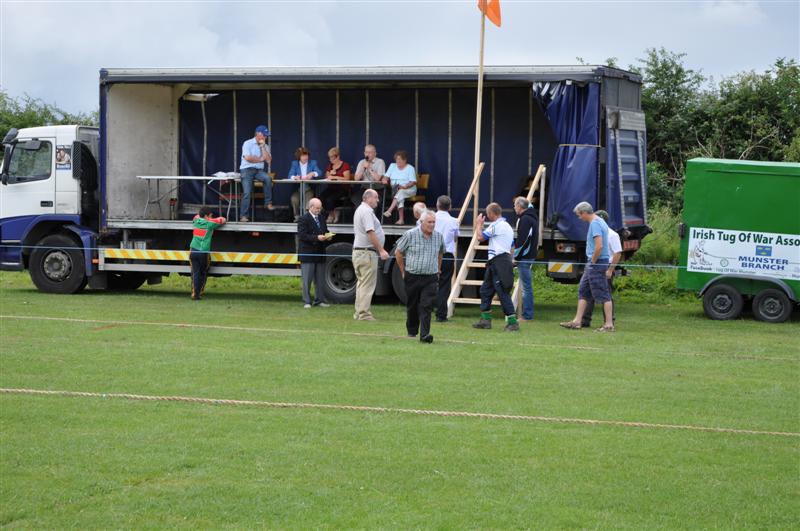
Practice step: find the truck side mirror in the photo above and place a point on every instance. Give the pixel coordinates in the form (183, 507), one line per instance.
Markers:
(6, 161)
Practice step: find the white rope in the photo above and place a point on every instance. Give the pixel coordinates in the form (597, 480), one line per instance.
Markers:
(408, 411)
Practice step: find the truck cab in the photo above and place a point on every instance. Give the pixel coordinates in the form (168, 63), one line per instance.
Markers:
(49, 190)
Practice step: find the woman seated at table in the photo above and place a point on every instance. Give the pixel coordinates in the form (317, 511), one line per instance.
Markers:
(337, 170)
(403, 178)
(303, 168)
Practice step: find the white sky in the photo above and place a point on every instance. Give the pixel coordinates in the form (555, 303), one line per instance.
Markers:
(53, 50)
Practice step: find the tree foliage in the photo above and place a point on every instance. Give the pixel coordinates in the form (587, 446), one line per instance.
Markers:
(751, 115)
(32, 112)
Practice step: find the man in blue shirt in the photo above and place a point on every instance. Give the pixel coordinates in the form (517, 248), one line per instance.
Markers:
(593, 284)
(255, 152)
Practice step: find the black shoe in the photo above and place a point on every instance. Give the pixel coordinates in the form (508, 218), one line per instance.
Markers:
(442, 320)
(485, 324)
(426, 339)
(412, 335)
(512, 327)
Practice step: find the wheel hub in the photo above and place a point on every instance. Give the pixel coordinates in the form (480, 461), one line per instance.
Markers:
(771, 306)
(57, 265)
(342, 276)
(722, 303)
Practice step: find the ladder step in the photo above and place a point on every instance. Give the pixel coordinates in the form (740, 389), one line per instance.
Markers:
(480, 265)
(481, 247)
(472, 282)
(467, 300)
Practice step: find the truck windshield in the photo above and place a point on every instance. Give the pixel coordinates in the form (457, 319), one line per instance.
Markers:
(31, 165)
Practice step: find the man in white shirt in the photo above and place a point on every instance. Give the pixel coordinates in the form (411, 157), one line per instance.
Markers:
(615, 250)
(499, 275)
(447, 226)
(368, 240)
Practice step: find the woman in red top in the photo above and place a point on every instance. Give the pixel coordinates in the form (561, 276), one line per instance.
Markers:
(337, 170)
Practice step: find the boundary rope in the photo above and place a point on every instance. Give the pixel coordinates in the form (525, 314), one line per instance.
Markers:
(406, 411)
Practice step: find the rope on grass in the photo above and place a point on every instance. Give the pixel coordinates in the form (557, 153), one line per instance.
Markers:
(405, 411)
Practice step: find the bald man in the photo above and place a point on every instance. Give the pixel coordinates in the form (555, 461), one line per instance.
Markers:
(312, 240)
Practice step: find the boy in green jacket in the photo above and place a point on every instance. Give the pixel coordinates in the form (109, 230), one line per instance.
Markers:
(200, 248)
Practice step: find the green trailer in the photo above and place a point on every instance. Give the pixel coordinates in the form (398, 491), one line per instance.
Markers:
(740, 237)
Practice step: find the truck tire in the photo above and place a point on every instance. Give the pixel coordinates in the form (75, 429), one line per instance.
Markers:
(129, 281)
(57, 266)
(722, 302)
(398, 284)
(772, 306)
(340, 277)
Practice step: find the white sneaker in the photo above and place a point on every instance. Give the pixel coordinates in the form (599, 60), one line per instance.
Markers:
(323, 304)
(306, 306)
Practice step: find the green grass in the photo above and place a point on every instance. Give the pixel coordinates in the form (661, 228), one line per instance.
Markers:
(91, 462)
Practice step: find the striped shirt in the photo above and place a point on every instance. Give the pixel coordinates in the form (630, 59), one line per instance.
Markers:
(421, 254)
(202, 229)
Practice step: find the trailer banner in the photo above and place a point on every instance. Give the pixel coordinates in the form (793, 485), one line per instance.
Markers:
(744, 252)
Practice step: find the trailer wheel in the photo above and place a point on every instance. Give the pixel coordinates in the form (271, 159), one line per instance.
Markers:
(117, 281)
(56, 265)
(398, 284)
(340, 277)
(772, 306)
(722, 302)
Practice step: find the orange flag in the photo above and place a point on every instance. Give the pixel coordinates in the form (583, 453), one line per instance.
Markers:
(491, 8)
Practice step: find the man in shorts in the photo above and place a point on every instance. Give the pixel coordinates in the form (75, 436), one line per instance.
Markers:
(594, 285)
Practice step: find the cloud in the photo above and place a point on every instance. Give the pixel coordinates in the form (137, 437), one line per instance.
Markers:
(733, 13)
(54, 51)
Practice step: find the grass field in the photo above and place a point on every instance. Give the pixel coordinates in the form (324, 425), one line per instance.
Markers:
(109, 462)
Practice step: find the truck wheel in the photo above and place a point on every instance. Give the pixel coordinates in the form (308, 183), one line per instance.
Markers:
(340, 277)
(772, 306)
(722, 302)
(398, 284)
(117, 281)
(57, 266)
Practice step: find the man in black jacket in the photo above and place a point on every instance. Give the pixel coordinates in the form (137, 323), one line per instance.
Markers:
(313, 237)
(526, 247)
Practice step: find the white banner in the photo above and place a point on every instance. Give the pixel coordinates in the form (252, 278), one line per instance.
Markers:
(744, 252)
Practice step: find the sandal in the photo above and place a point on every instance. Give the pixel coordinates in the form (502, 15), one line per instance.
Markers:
(399, 222)
(605, 328)
(387, 214)
(572, 325)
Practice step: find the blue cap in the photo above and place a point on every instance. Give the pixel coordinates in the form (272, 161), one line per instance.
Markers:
(263, 130)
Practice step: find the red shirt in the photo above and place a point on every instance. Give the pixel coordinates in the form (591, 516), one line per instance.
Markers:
(340, 172)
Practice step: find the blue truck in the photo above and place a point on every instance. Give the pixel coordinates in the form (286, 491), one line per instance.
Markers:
(80, 206)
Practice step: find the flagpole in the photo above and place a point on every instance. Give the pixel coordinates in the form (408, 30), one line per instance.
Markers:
(478, 111)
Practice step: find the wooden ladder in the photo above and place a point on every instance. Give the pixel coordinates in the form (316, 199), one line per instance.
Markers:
(475, 245)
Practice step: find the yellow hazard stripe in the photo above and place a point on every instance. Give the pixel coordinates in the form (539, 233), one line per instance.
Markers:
(559, 267)
(239, 258)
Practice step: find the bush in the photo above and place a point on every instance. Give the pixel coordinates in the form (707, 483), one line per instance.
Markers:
(663, 245)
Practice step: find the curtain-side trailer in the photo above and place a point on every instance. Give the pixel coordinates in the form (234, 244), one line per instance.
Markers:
(102, 219)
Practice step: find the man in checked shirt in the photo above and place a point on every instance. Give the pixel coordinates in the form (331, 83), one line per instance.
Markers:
(419, 257)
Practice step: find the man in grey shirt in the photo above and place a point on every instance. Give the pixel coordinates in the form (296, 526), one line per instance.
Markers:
(371, 170)
(368, 239)
(419, 257)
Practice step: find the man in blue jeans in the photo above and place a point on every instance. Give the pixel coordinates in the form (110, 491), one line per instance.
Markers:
(255, 152)
(526, 247)
(594, 285)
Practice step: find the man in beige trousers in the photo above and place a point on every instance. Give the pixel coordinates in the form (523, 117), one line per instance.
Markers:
(368, 239)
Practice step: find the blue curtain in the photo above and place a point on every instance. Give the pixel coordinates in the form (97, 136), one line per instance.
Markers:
(573, 112)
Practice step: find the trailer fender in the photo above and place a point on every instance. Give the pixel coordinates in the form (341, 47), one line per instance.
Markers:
(783, 286)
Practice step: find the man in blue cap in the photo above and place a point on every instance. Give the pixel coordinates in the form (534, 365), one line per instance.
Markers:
(255, 152)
